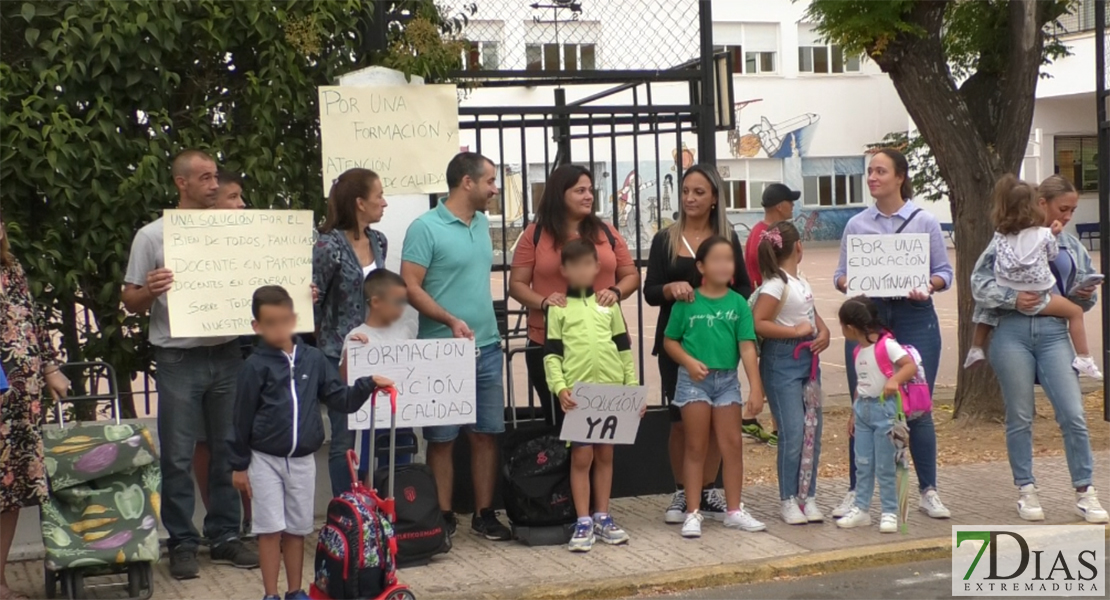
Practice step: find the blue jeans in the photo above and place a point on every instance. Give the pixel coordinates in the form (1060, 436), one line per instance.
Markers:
(490, 398)
(875, 453)
(913, 324)
(196, 394)
(343, 439)
(783, 379)
(1026, 347)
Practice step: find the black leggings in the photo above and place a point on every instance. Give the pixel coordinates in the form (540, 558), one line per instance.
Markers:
(533, 359)
(668, 375)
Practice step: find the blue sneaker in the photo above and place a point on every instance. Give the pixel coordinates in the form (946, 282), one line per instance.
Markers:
(608, 531)
(296, 595)
(583, 538)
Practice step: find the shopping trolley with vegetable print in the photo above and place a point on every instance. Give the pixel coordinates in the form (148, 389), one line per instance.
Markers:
(101, 516)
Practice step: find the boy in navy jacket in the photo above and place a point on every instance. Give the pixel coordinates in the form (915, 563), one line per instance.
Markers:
(277, 428)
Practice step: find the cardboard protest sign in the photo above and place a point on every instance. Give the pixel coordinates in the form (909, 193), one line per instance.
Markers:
(888, 266)
(436, 381)
(220, 257)
(405, 133)
(606, 414)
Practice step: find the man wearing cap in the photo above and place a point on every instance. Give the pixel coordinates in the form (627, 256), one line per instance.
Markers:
(778, 205)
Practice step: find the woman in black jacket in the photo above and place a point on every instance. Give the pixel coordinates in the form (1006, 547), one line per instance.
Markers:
(672, 275)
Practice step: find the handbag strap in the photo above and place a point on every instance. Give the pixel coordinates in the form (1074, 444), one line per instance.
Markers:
(907, 221)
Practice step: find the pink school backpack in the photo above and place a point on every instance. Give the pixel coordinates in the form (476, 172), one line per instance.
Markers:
(916, 398)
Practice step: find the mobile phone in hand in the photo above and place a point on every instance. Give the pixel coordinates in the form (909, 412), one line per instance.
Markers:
(1088, 282)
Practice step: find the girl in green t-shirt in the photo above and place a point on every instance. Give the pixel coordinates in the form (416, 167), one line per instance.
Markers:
(708, 338)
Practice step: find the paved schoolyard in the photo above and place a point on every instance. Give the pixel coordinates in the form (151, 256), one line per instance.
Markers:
(658, 559)
(818, 266)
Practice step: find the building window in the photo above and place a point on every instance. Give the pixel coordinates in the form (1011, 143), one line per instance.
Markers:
(826, 59)
(736, 195)
(565, 57)
(753, 46)
(832, 190)
(1076, 159)
(481, 56)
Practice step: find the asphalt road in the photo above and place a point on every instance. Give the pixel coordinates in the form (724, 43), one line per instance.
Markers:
(932, 579)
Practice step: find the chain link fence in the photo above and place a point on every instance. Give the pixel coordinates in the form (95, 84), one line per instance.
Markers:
(578, 35)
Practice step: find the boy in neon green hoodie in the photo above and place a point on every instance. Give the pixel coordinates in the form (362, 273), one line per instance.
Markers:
(587, 343)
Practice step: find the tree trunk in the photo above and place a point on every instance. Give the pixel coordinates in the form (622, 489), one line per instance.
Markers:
(970, 153)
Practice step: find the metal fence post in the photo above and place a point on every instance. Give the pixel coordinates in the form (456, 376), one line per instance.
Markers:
(1102, 99)
(707, 130)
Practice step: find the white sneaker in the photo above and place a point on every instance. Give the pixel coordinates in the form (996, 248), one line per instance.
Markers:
(812, 513)
(1086, 504)
(1029, 505)
(1086, 366)
(691, 528)
(888, 523)
(932, 506)
(676, 511)
(974, 356)
(854, 518)
(845, 505)
(742, 519)
(791, 514)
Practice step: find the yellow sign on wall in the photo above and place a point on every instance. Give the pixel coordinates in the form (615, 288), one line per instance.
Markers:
(405, 133)
(220, 257)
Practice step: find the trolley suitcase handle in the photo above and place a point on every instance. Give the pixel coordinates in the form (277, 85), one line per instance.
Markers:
(392, 391)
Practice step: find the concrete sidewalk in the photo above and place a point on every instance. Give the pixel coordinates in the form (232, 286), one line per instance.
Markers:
(658, 559)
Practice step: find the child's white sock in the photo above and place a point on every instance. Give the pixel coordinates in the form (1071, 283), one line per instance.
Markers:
(585, 520)
(598, 516)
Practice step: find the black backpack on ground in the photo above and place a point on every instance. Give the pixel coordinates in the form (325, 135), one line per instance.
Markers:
(535, 479)
(419, 529)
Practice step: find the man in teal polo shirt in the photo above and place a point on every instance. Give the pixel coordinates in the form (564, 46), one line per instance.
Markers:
(446, 261)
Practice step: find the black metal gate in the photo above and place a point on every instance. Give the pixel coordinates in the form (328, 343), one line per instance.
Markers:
(634, 137)
(1102, 97)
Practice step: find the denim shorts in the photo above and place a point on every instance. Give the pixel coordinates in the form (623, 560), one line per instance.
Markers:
(719, 388)
(490, 399)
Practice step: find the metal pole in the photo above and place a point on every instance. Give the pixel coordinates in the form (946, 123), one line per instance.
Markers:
(707, 131)
(1102, 98)
(561, 131)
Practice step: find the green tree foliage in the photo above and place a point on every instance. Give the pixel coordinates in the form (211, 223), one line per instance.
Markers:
(98, 95)
(967, 72)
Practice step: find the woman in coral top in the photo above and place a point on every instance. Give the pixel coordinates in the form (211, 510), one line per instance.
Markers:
(565, 212)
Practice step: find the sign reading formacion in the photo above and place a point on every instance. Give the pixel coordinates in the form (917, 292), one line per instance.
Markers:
(220, 257)
(405, 133)
(888, 266)
(435, 380)
(606, 414)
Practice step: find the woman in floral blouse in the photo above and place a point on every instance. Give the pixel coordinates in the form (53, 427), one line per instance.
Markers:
(345, 253)
(30, 363)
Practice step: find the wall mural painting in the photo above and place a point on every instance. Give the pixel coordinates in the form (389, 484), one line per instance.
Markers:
(658, 198)
(781, 139)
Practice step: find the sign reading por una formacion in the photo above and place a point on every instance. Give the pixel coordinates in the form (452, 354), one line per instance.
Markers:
(435, 380)
(220, 257)
(405, 133)
(888, 266)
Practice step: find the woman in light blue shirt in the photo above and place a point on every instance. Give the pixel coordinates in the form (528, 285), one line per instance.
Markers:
(912, 320)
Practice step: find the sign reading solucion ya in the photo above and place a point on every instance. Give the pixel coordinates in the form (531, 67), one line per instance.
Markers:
(405, 133)
(435, 381)
(888, 266)
(1028, 560)
(606, 414)
(220, 257)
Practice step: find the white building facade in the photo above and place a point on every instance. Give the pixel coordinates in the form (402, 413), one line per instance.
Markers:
(805, 111)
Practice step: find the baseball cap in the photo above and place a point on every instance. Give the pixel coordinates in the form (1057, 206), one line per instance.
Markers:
(777, 193)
